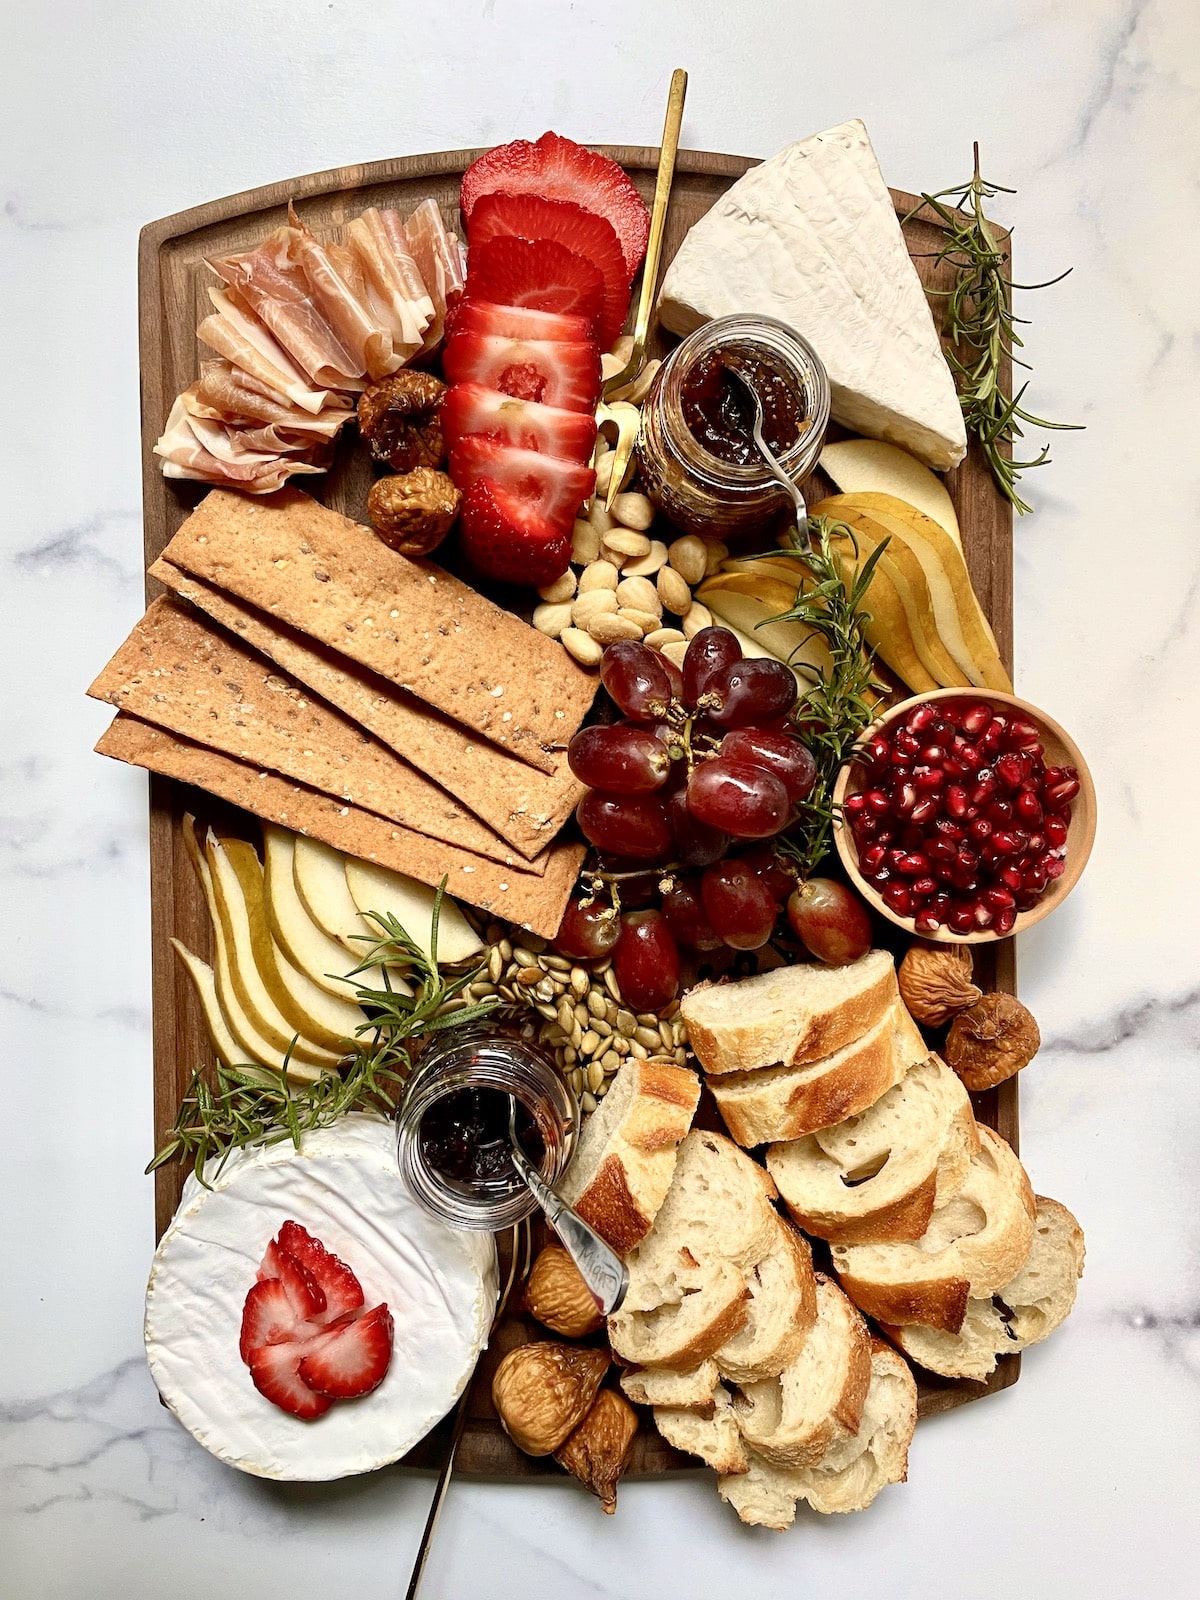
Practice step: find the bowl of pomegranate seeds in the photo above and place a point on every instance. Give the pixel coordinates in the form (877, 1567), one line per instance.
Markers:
(965, 815)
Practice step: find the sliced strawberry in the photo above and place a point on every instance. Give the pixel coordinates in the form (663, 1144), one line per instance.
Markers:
(275, 1373)
(539, 274)
(528, 216)
(519, 322)
(352, 1360)
(268, 1317)
(471, 408)
(341, 1288)
(560, 169)
(566, 375)
(553, 488)
(304, 1293)
(504, 537)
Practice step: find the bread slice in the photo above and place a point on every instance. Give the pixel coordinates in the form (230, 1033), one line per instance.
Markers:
(781, 1310)
(687, 1279)
(715, 1438)
(659, 1386)
(788, 1016)
(878, 1175)
(1025, 1311)
(792, 1420)
(778, 1103)
(974, 1244)
(625, 1159)
(854, 1470)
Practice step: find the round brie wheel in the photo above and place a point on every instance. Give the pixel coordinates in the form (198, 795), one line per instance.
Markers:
(345, 1187)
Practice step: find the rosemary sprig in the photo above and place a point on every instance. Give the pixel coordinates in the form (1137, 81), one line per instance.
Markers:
(982, 329)
(846, 696)
(229, 1108)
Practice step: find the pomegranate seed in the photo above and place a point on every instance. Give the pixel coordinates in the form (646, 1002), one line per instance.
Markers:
(879, 878)
(920, 720)
(873, 858)
(1055, 866)
(1009, 770)
(1037, 843)
(928, 779)
(898, 898)
(1011, 878)
(895, 857)
(1029, 807)
(907, 743)
(956, 801)
(1022, 735)
(912, 866)
(967, 754)
(950, 830)
(961, 919)
(927, 920)
(985, 788)
(1001, 812)
(925, 810)
(983, 915)
(940, 903)
(854, 804)
(933, 755)
(924, 887)
(1034, 879)
(1062, 792)
(974, 719)
(878, 802)
(885, 833)
(941, 849)
(980, 829)
(1003, 922)
(993, 735)
(1056, 831)
(878, 751)
(953, 769)
(943, 871)
(865, 828)
(998, 899)
(906, 799)
(1006, 843)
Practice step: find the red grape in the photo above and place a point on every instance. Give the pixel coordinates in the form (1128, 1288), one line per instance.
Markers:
(739, 905)
(830, 920)
(696, 844)
(780, 753)
(748, 802)
(687, 919)
(752, 692)
(622, 758)
(637, 680)
(767, 864)
(587, 932)
(710, 652)
(675, 676)
(625, 824)
(646, 961)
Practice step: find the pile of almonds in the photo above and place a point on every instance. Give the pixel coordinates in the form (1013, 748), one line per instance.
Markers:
(630, 585)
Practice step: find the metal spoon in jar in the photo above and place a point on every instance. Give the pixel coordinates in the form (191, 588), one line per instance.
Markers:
(605, 1274)
(764, 449)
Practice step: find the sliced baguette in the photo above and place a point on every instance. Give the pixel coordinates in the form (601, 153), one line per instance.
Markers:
(687, 1391)
(788, 1016)
(792, 1420)
(781, 1310)
(715, 1438)
(688, 1278)
(974, 1244)
(854, 1470)
(1025, 1311)
(878, 1175)
(625, 1160)
(779, 1103)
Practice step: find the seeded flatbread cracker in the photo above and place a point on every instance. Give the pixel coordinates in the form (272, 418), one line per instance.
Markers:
(521, 897)
(409, 621)
(179, 671)
(525, 807)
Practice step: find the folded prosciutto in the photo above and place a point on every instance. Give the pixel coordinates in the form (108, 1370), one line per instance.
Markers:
(299, 327)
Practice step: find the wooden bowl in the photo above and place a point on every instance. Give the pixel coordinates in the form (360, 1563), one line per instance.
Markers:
(1060, 750)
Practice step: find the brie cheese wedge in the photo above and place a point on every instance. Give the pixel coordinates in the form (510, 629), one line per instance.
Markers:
(345, 1187)
(811, 237)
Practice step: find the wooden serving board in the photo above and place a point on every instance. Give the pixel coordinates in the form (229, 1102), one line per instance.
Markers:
(172, 288)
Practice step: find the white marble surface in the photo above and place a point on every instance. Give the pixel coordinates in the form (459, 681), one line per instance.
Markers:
(1081, 1480)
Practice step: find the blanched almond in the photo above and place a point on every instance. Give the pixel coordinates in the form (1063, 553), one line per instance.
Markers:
(673, 591)
(715, 553)
(639, 593)
(627, 543)
(647, 621)
(561, 589)
(664, 636)
(689, 557)
(607, 628)
(598, 516)
(591, 604)
(552, 619)
(597, 575)
(695, 618)
(582, 646)
(632, 510)
(585, 542)
(647, 566)
(675, 652)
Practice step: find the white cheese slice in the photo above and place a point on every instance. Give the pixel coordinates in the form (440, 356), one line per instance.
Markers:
(344, 1186)
(811, 237)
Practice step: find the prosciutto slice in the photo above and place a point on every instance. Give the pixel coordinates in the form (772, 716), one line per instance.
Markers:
(238, 335)
(186, 453)
(439, 259)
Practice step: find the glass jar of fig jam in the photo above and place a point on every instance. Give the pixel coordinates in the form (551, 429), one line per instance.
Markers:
(699, 463)
(452, 1125)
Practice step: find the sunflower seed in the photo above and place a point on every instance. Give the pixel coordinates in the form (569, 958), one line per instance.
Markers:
(524, 958)
(626, 1021)
(601, 1026)
(637, 1049)
(595, 1076)
(587, 1103)
(611, 984)
(495, 964)
(575, 1079)
(650, 1037)
(595, 1004)
(553, 963)
(589, 1042)
(580, 982)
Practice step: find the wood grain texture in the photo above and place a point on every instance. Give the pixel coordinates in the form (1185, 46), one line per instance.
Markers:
(172, 301)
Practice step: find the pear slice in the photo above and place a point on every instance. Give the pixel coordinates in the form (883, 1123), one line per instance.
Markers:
(252, 994)
(251, 1046)
(903, 571)
(960, 618)
(375, 888)
(229, 1053)
(317, 1016)
(751, 600)
(307, 946)
(873, 467)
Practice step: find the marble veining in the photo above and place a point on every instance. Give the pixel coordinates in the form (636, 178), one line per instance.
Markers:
(1082, 1479)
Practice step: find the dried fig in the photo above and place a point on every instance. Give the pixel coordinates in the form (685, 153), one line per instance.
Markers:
(991, 1040)
(597, 1453)
(414, 511)
(558, 1297)
(544, 1391)
(935, 982)
(400, 418)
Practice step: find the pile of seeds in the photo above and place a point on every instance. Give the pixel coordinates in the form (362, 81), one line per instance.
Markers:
(574, 1009)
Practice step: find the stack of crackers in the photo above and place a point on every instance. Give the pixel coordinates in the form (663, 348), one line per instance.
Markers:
(303, 671)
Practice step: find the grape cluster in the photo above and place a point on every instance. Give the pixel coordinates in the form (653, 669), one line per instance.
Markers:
(699, 778)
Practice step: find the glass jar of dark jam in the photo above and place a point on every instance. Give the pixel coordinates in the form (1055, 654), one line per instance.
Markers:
(698, 459)
(452, 1125)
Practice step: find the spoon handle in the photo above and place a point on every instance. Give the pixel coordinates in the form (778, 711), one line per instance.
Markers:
(605, 1274)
